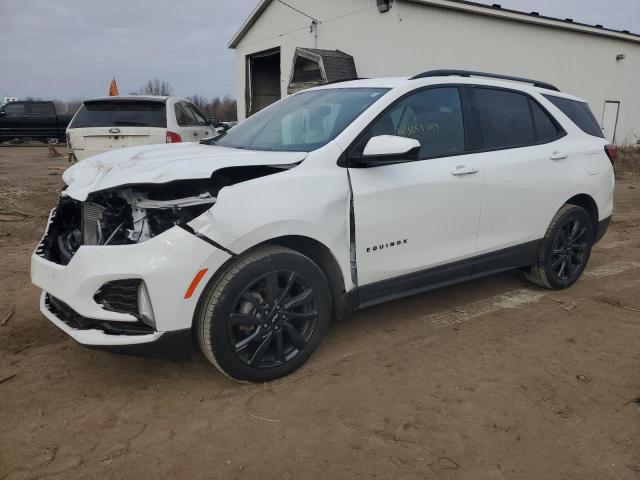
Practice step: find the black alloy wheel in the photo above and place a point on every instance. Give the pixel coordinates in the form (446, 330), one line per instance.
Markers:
(273, 319)
(564, 251)
(265, 315)
(569, 250)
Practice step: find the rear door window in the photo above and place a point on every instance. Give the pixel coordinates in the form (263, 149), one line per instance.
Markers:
(120, 113)
(505, 118)
(579, 113)
(39, 108)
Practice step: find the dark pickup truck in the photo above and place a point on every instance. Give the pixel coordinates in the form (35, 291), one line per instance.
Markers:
(32, 119)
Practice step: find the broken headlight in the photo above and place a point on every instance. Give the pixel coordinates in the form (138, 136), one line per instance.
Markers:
(134, 217)
(123, 216)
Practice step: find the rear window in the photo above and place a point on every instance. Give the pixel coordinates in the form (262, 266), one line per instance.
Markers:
(109, 113)
(579, 113)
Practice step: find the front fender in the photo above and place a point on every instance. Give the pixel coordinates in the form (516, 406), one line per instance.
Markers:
(305, 201)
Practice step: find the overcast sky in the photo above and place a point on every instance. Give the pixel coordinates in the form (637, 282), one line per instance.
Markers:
(72, 48)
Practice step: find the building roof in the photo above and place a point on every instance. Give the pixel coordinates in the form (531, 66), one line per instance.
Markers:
(326, 53)
(494, 10)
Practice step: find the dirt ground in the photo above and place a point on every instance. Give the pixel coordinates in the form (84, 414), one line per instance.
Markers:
(492, 379)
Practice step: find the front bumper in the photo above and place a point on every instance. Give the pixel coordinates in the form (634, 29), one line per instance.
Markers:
(95, 337)
(166, 263)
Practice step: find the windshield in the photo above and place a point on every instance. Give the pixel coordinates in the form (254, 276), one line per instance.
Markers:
(302, 122)
(109, 113)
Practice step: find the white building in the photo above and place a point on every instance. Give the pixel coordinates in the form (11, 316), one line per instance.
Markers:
(405, 37)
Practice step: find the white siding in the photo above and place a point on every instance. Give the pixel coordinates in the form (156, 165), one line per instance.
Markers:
(412, 37)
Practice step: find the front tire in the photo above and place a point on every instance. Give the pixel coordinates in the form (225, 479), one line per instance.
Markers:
(265, 315)
(564, 251)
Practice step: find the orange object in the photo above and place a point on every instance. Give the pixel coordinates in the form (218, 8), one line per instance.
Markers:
(194, 283)
(113, 88)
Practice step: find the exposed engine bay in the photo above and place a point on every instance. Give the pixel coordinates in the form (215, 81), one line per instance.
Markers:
(136, 213)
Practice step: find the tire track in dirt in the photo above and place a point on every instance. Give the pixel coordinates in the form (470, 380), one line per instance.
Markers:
(514, 299)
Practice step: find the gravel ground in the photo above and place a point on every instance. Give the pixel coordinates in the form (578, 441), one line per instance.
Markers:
(492, 379)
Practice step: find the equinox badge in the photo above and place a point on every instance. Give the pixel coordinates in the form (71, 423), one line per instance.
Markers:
(380, 246)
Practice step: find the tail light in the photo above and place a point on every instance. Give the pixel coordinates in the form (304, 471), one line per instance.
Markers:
(173, 137)
(612, 153)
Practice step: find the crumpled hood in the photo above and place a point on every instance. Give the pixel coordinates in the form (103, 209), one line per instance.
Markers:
(161, 164)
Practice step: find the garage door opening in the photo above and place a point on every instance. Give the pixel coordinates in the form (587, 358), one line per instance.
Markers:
(263, 80)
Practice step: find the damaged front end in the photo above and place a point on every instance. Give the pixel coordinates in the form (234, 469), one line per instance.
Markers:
(133, 214)
(112, 268)
(123, 216)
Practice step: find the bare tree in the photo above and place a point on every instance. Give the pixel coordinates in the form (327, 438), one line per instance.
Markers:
(227, 111)
(61, 106)
(224, 109)
(202, 104)
(156, 86)
(69, 107)
(73, 106)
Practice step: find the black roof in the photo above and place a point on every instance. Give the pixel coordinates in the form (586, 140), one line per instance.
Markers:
(472, 73)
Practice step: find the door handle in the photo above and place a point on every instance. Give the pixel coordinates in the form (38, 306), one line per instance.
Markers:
(464, 170)
(558, 156)
(195, 134)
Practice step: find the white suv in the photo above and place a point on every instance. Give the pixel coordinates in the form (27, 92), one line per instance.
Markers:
(332, 199)
(111, 123)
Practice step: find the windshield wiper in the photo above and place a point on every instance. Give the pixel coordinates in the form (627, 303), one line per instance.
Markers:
(212, 140)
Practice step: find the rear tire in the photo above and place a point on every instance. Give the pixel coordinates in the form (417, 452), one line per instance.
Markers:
(265, 315)
(564, 251)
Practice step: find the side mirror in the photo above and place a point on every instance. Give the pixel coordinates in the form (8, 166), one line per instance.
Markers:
(220, 129)
(388, 150)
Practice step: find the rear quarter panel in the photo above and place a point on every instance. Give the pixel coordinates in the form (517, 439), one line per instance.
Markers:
(592, 169)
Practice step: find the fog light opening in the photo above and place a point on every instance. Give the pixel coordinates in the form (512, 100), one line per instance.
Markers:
(144, 306)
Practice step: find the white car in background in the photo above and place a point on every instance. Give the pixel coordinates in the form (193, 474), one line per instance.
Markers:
(111, 123)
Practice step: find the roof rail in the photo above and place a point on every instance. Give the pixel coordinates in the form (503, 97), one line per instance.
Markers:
(344, 80)
(469, 73)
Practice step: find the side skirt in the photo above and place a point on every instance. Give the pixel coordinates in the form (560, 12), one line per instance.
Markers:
(461, 271)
